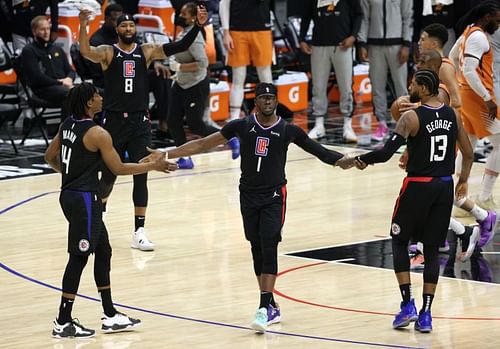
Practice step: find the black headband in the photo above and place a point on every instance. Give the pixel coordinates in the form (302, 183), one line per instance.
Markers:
(125, 18)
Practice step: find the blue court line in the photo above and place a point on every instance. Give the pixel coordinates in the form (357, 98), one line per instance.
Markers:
(207, 322)
(178, 317)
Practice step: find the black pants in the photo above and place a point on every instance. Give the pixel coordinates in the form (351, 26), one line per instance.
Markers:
(159, 86)
(190, 103)
(55, 95)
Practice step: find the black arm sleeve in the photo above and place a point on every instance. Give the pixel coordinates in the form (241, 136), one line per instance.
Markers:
(357, 17)
(385, 153)
(182, 45)
(306, 20)
(300, 138)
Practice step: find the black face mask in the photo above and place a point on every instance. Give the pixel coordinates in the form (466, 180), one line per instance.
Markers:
(181, 22)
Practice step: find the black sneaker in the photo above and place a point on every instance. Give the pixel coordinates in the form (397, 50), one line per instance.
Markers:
(71, 329)
(468, 241)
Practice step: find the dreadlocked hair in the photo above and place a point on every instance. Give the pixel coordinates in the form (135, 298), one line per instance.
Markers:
(77, 98)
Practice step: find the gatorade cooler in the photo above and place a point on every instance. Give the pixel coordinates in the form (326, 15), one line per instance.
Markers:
(160, 8)
(361, 86)
(292, 90)
(219, 101)
(69, 17)
(8, 77)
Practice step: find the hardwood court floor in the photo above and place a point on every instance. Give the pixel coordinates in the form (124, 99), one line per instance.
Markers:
(197, 289)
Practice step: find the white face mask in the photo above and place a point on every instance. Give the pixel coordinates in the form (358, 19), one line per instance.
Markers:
(323, 3)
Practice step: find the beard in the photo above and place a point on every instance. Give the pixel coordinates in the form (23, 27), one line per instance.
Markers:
(41, 41)
(127, 40)
(414, 97)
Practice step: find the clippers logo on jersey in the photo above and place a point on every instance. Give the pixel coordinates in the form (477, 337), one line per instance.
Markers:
(129, 69)
(261, 146)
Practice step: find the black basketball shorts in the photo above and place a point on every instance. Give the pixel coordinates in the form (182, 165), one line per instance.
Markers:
(263, 214)
(83, 211)
(131, 133)
(423, 209)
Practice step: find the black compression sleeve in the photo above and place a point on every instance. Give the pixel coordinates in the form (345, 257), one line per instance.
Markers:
(302, 140)
(182, 45)
(384, 154)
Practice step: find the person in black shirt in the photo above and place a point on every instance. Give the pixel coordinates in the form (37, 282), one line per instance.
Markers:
(46, 66)
(264, 138)
(77, 152)
(335, 30)
(423, 208)
(125, 106)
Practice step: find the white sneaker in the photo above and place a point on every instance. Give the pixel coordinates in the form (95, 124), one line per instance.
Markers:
(140, 241)
(118, 323)
(348, 133)
(317, 131)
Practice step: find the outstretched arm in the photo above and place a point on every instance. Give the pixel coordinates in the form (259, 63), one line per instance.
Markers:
(197, 146)
(302, 140)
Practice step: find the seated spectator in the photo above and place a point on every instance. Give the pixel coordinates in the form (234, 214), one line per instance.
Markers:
(46, 66)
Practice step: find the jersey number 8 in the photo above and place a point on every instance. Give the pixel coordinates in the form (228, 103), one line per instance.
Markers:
(129, 85)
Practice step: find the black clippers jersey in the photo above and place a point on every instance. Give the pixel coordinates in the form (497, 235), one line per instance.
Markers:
(432, 150)
(78, 165)
(126, 81)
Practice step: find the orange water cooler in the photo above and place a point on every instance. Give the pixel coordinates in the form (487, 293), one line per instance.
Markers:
(219, 101)
(292, 90)
(69, 18)
(160, 8)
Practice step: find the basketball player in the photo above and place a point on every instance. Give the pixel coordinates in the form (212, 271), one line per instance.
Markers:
(423, 208)
(264, 139)
(126, 115)
(77, 152)
(473, 55)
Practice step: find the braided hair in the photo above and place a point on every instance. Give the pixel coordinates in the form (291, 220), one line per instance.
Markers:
(429, 79)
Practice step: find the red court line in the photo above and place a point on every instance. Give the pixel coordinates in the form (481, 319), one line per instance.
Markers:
(298, 300)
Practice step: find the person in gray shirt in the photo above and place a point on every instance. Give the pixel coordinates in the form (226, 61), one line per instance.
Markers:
(190, 89)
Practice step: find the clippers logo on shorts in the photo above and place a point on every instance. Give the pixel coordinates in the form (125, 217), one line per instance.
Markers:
(261, 146)
(83, 245)
(395, 228)
(129, 69)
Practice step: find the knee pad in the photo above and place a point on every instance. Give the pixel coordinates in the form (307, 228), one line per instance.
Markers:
(257, 257)
(140, 191)
(73, 272)
(400, 257)
(269, 257)
(431, 266)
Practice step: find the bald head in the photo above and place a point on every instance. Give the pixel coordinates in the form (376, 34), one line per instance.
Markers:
(430, 59)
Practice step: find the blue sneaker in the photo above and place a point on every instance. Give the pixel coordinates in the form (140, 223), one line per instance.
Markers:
(185, 163)
(407, 314)
(259, 324)
(424, 322)
(273, 314)
(234, 144)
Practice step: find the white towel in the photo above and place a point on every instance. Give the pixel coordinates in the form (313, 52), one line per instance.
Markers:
(429, 3)
(323, 3)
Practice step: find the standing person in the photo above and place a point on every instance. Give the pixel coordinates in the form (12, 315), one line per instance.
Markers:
(336, 25)
(423, 208)
(190, 89)
(77, 152)
(473, 55)
(248, 40)
(126, 115)
(385, 38)
(265, 138)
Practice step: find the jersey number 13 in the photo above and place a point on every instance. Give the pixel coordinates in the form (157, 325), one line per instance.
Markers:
(438, 148)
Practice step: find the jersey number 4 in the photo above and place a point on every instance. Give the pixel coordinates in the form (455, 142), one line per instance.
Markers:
(438, 147)
(65, 157)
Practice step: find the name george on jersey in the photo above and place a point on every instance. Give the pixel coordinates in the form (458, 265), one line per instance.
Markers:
(69, 135)
(438, 124)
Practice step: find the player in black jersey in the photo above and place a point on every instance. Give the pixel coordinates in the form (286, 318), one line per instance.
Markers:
(126, 115)
(264, 139)
(77, 152)
(423, 208)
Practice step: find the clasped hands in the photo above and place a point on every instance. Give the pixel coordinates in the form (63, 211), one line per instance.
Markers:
(349, 161)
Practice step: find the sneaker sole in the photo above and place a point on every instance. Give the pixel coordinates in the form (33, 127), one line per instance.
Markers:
(406, 323)
(423, 330)
(75, 337)
(130, 327)
(142, 248)
(276, 320)
(258, 327)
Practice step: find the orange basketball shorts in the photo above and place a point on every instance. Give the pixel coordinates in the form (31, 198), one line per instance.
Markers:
(251, 48)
